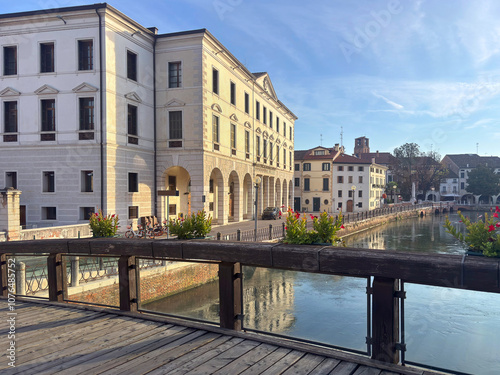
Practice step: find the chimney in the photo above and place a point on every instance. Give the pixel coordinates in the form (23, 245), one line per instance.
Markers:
(373, 160)
(377, 154)
(336, 148)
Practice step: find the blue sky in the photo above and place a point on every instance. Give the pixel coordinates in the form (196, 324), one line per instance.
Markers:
(394, 71)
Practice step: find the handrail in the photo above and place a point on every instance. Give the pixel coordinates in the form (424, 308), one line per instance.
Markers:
(388, 269)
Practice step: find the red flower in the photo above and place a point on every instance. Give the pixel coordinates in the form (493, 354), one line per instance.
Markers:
(491, 228)
(286, 228)
(497, 225)
(497, 209)
(312, 217)
(342, 227)
(297, 215)
(495, 214)
(113, 215)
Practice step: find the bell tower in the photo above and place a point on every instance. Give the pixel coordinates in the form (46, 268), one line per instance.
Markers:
(361, 146)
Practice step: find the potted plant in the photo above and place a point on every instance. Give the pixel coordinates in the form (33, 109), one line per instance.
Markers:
(103, 226)
(480, 237)
(197, 225)
(324, 229)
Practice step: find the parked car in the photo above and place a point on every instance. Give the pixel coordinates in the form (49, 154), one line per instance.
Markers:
(271, 213)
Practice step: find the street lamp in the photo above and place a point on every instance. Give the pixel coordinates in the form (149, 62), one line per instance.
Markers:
(256, 184)
(433, 196)
(394, 187)
(353, 188)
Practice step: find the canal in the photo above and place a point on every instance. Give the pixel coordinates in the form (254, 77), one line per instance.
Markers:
(444, 328)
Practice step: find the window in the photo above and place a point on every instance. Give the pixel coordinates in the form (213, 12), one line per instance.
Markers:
(85, 55)
(264, 115)
(278, 154)
(277, 124)
(257, 141)
(86, 118)
(215, 129)
(297, 167)
(86, 212)
(462, 185)
(360, 179)
(326, 184)
(360, 204)
(9, 61)
(297, 182)
(349, 179)
(284, 132)
(10, 121)
(306, 184)
(325, 167)
(264, 148)
(361, 169)
(340, 168)
(350, 168)
(172, 183)
(87, 179)
(257, 110)
(233, 93)
(290, 160)
(48, 119)
(306, 167)
(174, 74)
(49, 213)
(48, 182)
(270, 119)
(175, 125)
(340, 179)
(172, 209)
(131, 66)
(319, 152)
(360, 193)
(349, 193)
(290, 133)
(462, 174)
(215, 81)
(339, 193)
(11, 179)
(46, 57)
(132, 124)
(247, 143)
(233, 136)
(247, 103)
(133, 212)
(271, 151)
(284, 157)
(340, 205)
(133, 182)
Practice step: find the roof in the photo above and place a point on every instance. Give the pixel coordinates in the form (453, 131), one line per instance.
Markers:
(384, 158)
(473, 160)
(309, 154)
(347, 159)
(451, 174)
(260, 74)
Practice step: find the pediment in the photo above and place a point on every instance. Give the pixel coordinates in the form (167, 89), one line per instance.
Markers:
(9, 91)
(284, 144)
(175, 103)
(216, 107)
(85, 87)
(271, 137)
(278, 141)
(290, 148)
(46, 89)
(265, 134)
(248, 125)
(234, 117)
(265, 82)
(134, 97)
(258, 131)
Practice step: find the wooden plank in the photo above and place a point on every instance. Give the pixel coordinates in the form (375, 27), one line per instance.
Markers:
(480, 273)
(296, 257)
(248, 359)
(325, 367)
(266, 362)
(385, 320)
(304, 365)
(116, 246)
(4, 287)
(128, 283)
(363, 370)
(389, 373)
(230, 295)
(239, 252)
(49, 246)
(284, 363)
(344, 368)
(57, 277)
(224, 358)
(168, 248)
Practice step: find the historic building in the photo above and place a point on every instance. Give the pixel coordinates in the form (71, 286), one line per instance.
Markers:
(100, 112)
(328, 180)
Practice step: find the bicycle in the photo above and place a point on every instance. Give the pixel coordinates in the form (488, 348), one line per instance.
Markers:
(141, 232)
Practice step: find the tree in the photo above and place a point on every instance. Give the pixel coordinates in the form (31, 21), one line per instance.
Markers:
(483, 181)
(429, 172)
(403, 167)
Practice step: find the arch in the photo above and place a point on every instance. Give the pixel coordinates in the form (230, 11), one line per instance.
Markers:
(216, 196)
(467, 199)
(234, 197)
(432, 196)
(278, 191)
(178, 179)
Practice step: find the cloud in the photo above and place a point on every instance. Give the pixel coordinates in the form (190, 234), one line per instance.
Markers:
(390, 102)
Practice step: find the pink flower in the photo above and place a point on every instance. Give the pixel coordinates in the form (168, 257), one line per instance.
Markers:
(491, 228)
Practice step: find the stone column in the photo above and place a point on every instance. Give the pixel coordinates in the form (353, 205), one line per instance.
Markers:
(10, 213)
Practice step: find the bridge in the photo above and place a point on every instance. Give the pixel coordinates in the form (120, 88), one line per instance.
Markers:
(59, 334)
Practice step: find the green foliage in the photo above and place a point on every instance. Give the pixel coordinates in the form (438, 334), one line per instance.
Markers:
(325, 229)
(103, 226)
(483, 181)
(194, 226)
(480, 236)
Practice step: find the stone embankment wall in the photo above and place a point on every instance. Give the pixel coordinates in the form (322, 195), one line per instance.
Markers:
(361, 225)
(66, 231)
(155, 283)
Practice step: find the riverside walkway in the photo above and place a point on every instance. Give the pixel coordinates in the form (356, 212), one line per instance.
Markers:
(55, 338)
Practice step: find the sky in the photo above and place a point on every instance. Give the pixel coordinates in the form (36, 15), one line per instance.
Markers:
(395, 71)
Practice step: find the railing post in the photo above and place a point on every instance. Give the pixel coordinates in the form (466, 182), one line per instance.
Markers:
(128, 283)
(75, 271)
(218, 236)
(283, 226)
(57, 279)
(230, 295)
(270, 231)
(4, 288)
(385, 320)
(20, 279)
(238, 235)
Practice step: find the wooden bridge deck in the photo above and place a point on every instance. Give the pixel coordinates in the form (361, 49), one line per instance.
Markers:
(68, 339)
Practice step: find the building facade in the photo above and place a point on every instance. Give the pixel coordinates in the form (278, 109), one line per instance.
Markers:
(101, 112)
